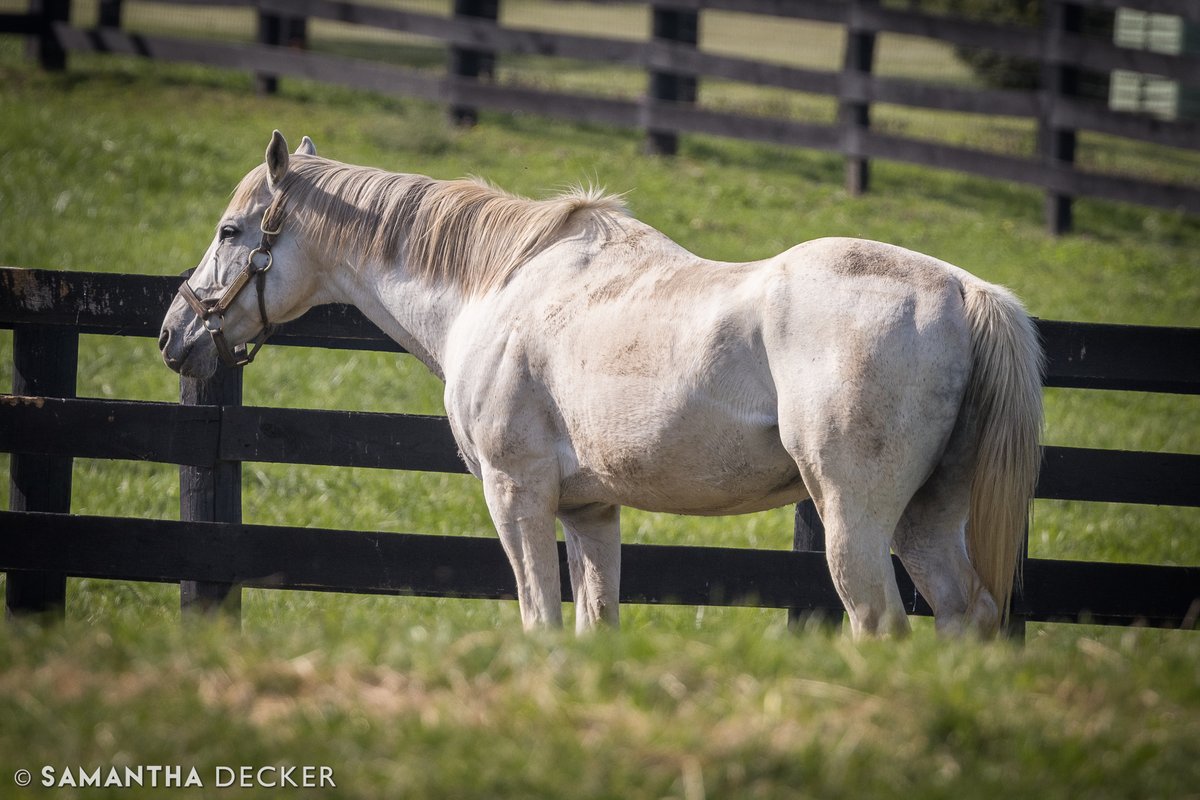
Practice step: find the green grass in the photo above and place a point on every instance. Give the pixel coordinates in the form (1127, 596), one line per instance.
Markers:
(124, 166)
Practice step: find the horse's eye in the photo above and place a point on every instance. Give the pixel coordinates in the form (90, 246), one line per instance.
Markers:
(228, 232)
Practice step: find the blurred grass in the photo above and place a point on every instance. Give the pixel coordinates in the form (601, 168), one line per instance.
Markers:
(410, 706)
(119, 165)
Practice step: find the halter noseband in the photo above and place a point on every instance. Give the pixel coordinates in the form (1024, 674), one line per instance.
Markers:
(211, 311)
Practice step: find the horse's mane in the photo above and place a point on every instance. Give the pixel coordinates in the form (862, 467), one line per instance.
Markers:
(464, 232)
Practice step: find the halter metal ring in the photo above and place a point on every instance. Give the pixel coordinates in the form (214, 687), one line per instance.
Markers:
(252, 259)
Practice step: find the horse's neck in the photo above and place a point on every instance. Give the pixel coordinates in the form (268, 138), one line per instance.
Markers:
(415, 314)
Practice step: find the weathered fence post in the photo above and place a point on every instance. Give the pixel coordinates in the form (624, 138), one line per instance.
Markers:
(470, 63)
(854, 113)
(44, 365)
(109, 14)
(1059, 79)
(269, 32)
(45, 47)
(677, 27)
(1015, 627)
(211, 494)
(808, 536)
(276, 30)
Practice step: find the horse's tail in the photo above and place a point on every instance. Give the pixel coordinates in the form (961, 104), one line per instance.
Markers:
(1004, 395)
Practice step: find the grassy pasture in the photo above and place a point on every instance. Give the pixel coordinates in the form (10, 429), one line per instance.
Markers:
(123, 166)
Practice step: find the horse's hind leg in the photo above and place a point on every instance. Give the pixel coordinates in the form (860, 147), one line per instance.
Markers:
(523, 512)
(857, 544)
(931, 542)
(593, 535)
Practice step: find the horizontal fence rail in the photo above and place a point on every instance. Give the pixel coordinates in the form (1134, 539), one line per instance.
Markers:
(206, 435)
(1079, 354)
(261, 556)
(674, 60)
(213, 434)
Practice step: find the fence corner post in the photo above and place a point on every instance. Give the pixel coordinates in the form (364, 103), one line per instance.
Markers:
(678, 27)
(1057, 145)
(809, 536)
(470, 63)
(44, 364)
(211, 493)
(854, 107)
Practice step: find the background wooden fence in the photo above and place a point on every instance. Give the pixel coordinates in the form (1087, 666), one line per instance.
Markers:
(474, 38)
(212, 554)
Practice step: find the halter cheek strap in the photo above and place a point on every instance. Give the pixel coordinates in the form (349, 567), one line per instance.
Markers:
(211, 311)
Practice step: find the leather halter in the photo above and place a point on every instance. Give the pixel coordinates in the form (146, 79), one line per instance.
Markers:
(211, 311)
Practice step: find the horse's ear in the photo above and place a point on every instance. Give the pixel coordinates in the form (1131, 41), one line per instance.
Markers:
(306, 148)
(277, 160)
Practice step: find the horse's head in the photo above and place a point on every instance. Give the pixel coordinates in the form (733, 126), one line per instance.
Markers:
(253, 276)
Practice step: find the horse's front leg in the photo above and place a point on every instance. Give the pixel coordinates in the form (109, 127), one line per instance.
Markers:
(593, 536)
(522, 508)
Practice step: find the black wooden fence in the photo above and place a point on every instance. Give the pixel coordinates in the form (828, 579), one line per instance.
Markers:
(674, 63)
(212, 554)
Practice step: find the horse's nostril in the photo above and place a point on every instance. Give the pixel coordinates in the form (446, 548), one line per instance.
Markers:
(163, 339)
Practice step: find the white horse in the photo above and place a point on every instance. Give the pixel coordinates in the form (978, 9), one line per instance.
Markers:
(590, 362)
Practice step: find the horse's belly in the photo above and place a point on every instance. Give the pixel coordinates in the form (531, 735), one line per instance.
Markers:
(720, 471)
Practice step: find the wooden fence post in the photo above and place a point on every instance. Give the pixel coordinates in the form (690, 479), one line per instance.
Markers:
(109, 14)
(678, 27)
(470, 63)
(44, 364)
(1057, 145)
(45, 46)
(211, 494)
(276, 30)
(1015, 627)
(854, 116)
(808, 536)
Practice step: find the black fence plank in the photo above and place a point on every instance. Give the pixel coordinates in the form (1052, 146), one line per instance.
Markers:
(88, 428)
(665, 55)
(1060, 178)
(1113, 476)
(463, 566)
(340, 438)
(1129, 357)
(21, 24)
(816, 10)
(1076, 113)
(1079, 354)
(204, 435)
(90, 302)
(1110, 593)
